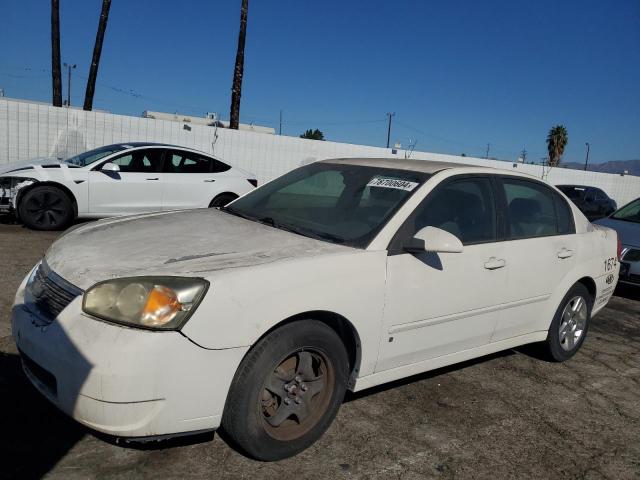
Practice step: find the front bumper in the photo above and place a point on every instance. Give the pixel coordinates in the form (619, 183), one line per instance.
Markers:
(123, 381)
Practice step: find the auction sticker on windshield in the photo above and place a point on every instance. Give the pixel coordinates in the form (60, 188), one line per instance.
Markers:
(392, 183)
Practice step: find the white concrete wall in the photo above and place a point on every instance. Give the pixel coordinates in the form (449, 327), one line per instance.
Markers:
(30, 130)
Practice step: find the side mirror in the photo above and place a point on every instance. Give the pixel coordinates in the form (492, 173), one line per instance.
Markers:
(110, 167)
(432, 239)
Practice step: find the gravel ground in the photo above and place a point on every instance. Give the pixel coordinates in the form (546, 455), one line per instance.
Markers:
(508, 415)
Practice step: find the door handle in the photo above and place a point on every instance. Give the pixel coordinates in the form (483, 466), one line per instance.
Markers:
(210, 180)
(152, 178)
(494, 263)
(565, 253)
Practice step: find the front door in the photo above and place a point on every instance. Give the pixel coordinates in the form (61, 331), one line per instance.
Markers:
(136, 188)
(441, 303)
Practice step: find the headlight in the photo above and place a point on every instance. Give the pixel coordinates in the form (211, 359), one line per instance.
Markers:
(163, 303)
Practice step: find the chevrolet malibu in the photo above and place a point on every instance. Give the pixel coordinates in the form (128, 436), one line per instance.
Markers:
(343, 274)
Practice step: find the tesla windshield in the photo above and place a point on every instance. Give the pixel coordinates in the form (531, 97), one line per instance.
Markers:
(337, 202)
(629, 213)
(86, 158)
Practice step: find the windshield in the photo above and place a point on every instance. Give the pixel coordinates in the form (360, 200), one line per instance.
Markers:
(574, 193)
(629, 213)
(87, 158)
(339, 203)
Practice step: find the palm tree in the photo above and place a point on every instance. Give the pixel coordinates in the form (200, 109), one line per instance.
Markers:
(236, 89)
(557, 139)
(56, 74)
(97, 51)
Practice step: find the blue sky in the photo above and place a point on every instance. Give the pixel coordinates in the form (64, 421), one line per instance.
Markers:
(458, 74)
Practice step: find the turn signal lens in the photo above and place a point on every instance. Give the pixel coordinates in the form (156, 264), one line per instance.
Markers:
(162, 305)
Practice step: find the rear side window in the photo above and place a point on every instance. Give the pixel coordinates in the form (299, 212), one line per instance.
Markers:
(531, 210)
(465, 208)
(177, 161)
(565, 216)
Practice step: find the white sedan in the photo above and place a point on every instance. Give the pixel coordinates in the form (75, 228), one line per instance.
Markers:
(342, 274)
(118, 179)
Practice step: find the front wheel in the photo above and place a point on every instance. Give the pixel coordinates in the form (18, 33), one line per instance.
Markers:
(46, 208)
(570, 324)
(287, 391)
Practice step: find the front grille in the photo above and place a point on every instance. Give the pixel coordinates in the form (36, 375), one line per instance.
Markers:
(51, 293)
(633, 278)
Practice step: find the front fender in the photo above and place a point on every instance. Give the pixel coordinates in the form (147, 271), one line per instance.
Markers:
(244, 304)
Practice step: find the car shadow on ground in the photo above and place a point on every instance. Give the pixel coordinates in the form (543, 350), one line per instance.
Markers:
(627, 291)
(35, 434)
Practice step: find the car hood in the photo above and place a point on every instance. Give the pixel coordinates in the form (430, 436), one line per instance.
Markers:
(196, 243)
(629, 231)
(9, 167)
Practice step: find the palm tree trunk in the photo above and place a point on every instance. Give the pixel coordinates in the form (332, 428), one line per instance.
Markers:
(56, 74)
(236, 89)
(97, 51)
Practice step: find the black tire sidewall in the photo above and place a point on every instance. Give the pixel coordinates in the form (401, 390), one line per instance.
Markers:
(27, 219)
(554, 349)
(242, 420)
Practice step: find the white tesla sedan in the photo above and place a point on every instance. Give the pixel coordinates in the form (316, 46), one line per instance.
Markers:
(342, 274)
(120, 179)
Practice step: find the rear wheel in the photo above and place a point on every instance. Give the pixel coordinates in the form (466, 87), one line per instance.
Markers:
(287, 391)
(222, 199)
(46, 208)
(570, 324)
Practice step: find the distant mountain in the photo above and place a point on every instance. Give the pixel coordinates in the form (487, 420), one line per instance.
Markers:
(613, 166)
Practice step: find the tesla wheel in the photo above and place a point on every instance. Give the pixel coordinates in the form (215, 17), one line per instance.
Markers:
(570, 324)
(46, 208)
(222, 199)
(287, 391)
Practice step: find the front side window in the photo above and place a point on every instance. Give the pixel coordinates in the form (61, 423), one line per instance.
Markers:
(146, 161)
(464, 208)
(530, 209)
(340, 203)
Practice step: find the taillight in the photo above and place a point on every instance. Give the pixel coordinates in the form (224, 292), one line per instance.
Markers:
(253, 181)
(619, 246)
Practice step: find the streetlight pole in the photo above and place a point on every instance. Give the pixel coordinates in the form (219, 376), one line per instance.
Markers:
(69, 67)
(389, 127)
(586, 161)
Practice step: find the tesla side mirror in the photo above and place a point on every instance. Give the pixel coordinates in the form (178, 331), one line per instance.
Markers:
(432, 239)
(110, 167)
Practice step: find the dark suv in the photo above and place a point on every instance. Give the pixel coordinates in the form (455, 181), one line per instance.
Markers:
(591, 201)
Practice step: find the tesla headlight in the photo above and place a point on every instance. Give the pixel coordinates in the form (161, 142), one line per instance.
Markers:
(163, 303)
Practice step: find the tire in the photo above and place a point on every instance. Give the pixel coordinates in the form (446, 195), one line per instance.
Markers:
(572, 317)
(222, 199)
(46, 208)
(287, 391)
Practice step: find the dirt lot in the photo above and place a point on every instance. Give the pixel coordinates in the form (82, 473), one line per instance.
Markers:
(504, 416)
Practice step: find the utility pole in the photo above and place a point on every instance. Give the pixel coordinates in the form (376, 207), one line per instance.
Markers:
(389, 114)
(586, 161)
(69, 67)
(280, 131)
(488, 147)
(523, 155)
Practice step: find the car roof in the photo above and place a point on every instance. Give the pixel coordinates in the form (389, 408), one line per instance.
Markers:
(425, 166)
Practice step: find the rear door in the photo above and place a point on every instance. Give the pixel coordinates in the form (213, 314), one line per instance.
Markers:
(191, 180)
(135, 188)
(540, 250)
(441, 303)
